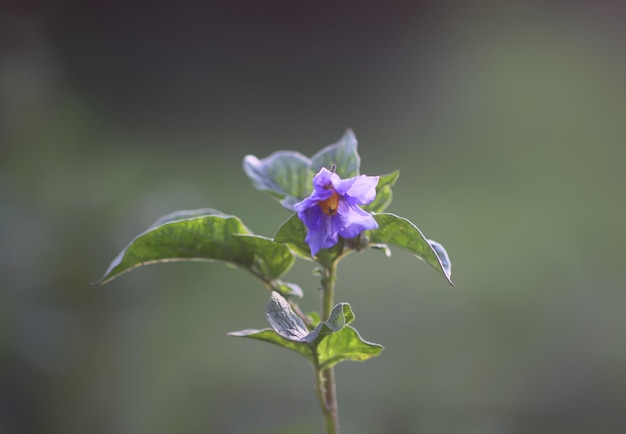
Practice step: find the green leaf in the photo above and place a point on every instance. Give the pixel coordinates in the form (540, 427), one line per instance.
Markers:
(343, 155)
(203, 235)
(401, 232)
(340, 316)
(293, 232)
(284, 320)
(269, 335)
(384, 194)
(261, 255)
(346, 344)
(284, 174)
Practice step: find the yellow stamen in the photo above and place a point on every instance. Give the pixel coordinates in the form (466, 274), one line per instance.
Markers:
(329, 206)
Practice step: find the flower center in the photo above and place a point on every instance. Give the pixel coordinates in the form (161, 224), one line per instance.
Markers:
(329, 206)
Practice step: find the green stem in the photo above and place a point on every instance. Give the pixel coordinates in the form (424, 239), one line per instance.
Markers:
(327, 392)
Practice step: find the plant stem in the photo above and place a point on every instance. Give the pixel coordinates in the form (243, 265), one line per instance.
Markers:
(327, 392)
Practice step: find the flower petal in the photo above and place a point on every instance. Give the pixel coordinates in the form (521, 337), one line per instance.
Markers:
(310, 213)
(361, 189)
(353, 220)
(324, 178)
(322, 237)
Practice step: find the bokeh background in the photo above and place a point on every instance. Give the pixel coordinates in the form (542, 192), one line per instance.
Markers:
(507, 121)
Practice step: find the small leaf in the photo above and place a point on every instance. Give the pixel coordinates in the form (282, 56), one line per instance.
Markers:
(384, 195)
(271, 336)
(340, 316)
(203, 235)
(401, 232)
(346, 344)
(287, 289)
(288, 330)
(284, 174)
(284, 320)
(343, 155)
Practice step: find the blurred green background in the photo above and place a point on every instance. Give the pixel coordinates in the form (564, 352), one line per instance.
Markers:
(506, 121)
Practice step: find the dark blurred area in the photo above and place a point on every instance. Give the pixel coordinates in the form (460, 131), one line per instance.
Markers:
(508, 125)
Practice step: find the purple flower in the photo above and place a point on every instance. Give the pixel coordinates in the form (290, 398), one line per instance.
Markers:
(332, 209)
